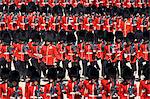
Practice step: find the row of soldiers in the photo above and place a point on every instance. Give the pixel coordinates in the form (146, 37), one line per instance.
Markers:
(75, 88)
(66, 49)
(106, 3)
(43, 22)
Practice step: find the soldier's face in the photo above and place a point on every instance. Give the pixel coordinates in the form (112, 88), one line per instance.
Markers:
(35, 82)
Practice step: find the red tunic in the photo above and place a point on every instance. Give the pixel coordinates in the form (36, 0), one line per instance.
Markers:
(81, 50)
(71, 89)
(32, 91)
(11, 91)
(89, 53)
(145, 52)
(124, 91)
(100, 50)
(61, 50)
(107, 85)
(50, 54)
(5, 53)
(3, 90)
(144, 89)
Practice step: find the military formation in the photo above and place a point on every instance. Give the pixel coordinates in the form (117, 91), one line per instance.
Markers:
(82, 48)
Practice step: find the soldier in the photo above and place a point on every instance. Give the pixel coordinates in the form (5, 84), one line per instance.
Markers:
(50, 89)
(35, 90)
(74, 86)
(34, 52)
(93, 86)
(144, 84)
(110, 83)
(61, 88)
(4, 86)
(119, 51)
(14, 91)
(21, 55)
(6, 50)
(127, 88)
(49, 53)
(30, 70)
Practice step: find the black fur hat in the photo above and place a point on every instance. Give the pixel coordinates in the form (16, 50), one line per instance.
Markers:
(14, 76)
(127, 73)
(89, 37)
(35, 76)
(109, 36)
(4, 73)
(52, 73)
(119, 35)
(93, 73)
(60, 72)
(71, 37)
(111, 70)
(74, 72)
(30, 70)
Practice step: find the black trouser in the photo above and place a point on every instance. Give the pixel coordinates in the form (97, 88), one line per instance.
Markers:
(20, 66)
(43, 68)
(140, 66)
(84, 64)
(35, 63)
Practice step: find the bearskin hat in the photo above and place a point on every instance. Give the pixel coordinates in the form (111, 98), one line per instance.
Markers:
(81, 34)
(74, 72)
(109, 36)
(138, 35)
(119, 35)
(62, 36)
(4, 73)
(71, 37)
(14, 76)
(37, 38)
(93, 73)
(130, 37)
(89, 37)
(35, 76)
(127, 73)
(50, 36)
(30, 70)
(111, 70)
(52, 73)
(60, 72)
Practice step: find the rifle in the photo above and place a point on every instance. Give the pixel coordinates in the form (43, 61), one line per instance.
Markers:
(38, 92)
(16, 93)
(53, 91)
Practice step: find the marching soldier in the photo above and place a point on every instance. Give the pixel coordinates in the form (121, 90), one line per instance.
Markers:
(49, 53)
(144, 84)
(21, 56)
(6, 50)
(14, 91)
(110, 83)
(34, 52)
(3, 85)
(127, 88)
(74, 86)
(61, 88)
(93, 88)
(50, 89)
(35, 90)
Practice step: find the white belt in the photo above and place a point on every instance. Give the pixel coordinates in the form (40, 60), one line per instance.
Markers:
(108, 53)
(81, 50)
(6, 53)
(148, 94)
(99, 51)
(89, 52)
(146, 52)
(99, 95)
(22, 53)
(73, 93)
(35, 97)
(70, 54)
(62, 52)
(48, 94)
